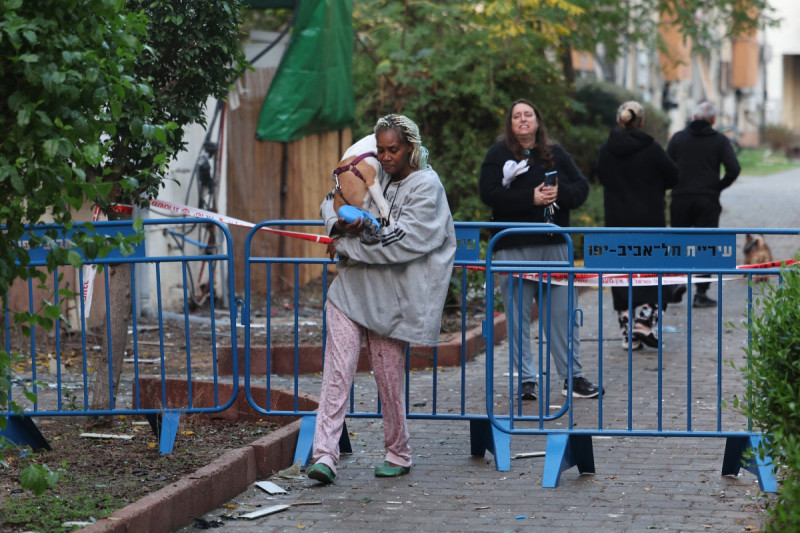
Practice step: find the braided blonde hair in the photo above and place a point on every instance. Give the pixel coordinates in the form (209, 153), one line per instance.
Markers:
(409, 134)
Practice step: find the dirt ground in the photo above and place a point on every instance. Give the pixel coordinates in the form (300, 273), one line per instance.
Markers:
(100, 475)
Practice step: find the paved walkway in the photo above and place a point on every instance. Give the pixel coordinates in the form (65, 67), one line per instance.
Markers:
(640, 484)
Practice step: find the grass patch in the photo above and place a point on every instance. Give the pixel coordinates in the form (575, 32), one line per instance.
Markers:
(763, 161)
(46, 513)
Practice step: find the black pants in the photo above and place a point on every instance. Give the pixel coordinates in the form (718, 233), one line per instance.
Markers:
(695, 212)
(641, 295)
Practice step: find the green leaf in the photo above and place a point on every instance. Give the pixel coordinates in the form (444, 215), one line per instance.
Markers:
(91, 152)
(116, 108)
(76, 202)
(38, 478)
(137, 126)
(18, 184)
(24, 116)
(51, 148)
(74, 259)
(125, 248)
(53, 312)
(119, 90)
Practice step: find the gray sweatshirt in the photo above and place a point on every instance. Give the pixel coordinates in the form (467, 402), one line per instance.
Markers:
(397, 287)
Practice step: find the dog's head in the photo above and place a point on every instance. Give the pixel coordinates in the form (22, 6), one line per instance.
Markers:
(751, 241)
(756, 250)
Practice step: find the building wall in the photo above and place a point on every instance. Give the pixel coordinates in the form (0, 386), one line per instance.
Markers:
(782, 47)
(790, 101)
(754, 80)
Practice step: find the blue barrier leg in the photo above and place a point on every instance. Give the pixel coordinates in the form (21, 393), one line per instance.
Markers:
(305, 440)
(169, 430)
(483, 435)
(562, 453)
(734, 459)
(22, 431)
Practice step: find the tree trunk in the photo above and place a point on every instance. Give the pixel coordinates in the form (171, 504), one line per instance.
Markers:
(109, 363)
(566, 62)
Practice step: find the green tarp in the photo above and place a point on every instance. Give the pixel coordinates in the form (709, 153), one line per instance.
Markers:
(312, 91)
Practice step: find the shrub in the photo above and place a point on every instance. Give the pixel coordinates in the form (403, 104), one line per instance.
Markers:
(583, 142)
(779, 138)
(772, 399)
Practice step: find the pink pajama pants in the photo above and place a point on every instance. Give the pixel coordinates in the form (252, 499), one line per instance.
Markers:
(387, 358)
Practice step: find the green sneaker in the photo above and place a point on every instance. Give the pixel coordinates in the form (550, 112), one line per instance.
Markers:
(320, 472)
(387, 469)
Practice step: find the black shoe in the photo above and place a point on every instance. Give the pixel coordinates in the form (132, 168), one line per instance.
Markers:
(529, 390)
(582, 388)
(646, 338)
(701, 300)
(677, 294)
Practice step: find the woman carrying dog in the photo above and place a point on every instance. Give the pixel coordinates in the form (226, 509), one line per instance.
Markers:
(635, 173)
(389, 293)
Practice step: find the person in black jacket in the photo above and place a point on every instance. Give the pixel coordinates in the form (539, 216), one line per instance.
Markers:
(700, 151)
(512, 183)
(635, 173)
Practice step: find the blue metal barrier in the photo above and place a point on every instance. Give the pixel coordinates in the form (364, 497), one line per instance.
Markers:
(681, 389)
(59, 366)
(640, 403)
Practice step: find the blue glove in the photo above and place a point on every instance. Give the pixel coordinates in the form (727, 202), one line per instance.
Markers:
(350, 214)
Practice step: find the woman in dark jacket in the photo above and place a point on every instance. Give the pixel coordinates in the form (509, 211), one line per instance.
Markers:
(635, 173)
(517, 182)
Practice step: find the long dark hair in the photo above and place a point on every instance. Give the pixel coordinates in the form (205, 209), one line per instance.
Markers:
(542, 146)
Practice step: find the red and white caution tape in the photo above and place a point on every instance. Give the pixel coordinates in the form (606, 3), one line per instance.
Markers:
(194, 212)
(623, 280)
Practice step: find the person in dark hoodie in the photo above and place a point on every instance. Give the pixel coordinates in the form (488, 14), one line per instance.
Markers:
(700, 151)
(635, 173)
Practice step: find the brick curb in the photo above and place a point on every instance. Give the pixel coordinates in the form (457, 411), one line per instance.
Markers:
(209, 487)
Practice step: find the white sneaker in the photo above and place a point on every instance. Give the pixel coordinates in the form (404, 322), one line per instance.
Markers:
(636, 344)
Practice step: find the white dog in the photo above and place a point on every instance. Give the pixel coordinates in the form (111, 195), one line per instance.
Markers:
(356, 175)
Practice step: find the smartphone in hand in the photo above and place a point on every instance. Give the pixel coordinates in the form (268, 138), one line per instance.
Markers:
(551, 178)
